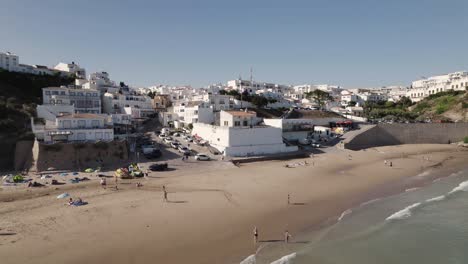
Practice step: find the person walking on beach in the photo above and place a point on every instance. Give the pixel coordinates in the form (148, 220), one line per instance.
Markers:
(165, 193)
(255, 233)
(289, 198)
(385, 162)
(103, 183)
(391, 164)
(286, 236)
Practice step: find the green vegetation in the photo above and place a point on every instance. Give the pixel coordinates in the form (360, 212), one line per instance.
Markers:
(319, 96)
(465, 140)
(19, 95)
(443, 106)
(257, 100)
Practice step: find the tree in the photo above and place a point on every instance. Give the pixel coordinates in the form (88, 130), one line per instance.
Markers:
(152, 94)
(259, 101)
(319, 96)
(352, 103)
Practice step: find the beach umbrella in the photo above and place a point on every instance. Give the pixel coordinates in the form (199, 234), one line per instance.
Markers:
(89, 170)
(63, 195)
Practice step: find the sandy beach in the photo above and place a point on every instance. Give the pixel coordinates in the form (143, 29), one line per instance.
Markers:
(212, 208)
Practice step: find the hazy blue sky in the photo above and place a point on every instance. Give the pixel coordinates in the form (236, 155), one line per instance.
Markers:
(354, 43)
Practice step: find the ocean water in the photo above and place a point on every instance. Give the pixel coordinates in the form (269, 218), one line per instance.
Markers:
(424, 225)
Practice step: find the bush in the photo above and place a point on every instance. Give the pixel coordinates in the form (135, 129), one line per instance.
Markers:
(465, 140)
(101, 145)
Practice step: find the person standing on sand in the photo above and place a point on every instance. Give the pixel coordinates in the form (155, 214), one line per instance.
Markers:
(255, 233)
(289, 198)
(286, 236)
(385, 162)
(165, 193)
(103, 183)
(391, 164)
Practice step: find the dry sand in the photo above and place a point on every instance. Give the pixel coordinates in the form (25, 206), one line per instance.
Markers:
(212, 208)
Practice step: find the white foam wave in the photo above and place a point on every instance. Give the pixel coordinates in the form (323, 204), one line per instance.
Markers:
(412, 189)
(436, 199)
(371, 201)
(249, 260)
(461, 187)
(286, 259)
(345, 213)
(405, 213)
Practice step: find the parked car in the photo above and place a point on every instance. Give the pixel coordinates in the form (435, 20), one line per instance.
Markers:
(175, 144)
(158, 167)
(202, 157)
(156, 153)
(176, 134)
(188, 139)
(316, 145)
(184, 150)
(168, 140)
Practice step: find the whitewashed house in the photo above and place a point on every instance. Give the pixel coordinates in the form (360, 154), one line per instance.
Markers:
(75, 127)
(420, 89)
(240, 135)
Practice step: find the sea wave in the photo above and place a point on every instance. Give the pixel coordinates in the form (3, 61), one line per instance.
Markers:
(345, 213)
(405, 213)
(371, 201)
(461, 187)
(412, 189)
(250, 260)
(436, 199)
(285, 259)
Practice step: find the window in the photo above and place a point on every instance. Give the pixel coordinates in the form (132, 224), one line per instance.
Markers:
(72, 93)
(47, 92)
(245, 123)
(62, 93)
(55, 92)
(72, 102)
(67, 124)
(95, 94)
(226, 123)
(81, 123)
(80, 94)
(195, 112)
(95, 123)
(236, 123)
(88, 94)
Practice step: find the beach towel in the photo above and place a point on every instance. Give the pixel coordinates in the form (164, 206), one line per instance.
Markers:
(79, 203)
(63, 195)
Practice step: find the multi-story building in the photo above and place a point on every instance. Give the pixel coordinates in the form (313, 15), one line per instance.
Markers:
(435, 84)
(240, 134)
(84, 101)
(9, 61)
(75, 127)
(138, 106)
(72, 68)
(245, 85)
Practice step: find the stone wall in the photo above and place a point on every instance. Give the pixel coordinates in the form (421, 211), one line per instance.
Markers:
(76, 156)
(396, 134)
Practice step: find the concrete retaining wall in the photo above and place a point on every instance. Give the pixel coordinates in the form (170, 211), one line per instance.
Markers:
(396, 134)
(77, 156)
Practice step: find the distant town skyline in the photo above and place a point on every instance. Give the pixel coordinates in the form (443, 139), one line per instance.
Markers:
(348, 43)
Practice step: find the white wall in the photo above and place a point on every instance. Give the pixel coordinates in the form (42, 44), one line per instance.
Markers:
(243, 141)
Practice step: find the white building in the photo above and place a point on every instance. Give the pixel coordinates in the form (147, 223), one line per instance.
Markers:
(84, 101)
(101, 81)
(72, 68)
(457, 81)
(251, 87)
(140, 106)
(239, 135)
(9, 61)
(194, 112)
(75, 127)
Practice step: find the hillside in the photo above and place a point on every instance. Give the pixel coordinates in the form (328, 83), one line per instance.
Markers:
(19, 95)
(450, 105)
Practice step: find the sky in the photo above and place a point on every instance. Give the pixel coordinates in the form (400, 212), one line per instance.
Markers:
(352, 43)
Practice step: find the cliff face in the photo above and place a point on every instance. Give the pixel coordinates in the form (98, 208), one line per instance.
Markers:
(19, 95)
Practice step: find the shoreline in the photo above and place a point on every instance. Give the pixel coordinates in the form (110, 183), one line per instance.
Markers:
(212, 214)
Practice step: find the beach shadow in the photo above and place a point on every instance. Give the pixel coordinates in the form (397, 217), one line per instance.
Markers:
(7, 234)
(298, 242)
(177, 201)
(271, 240)
(58, 183)
(298, 203)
